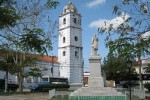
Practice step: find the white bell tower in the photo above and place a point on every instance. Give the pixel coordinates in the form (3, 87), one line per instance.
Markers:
(70, 45)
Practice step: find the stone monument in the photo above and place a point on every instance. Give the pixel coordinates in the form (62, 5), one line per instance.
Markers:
(95, 66)
(96, 89)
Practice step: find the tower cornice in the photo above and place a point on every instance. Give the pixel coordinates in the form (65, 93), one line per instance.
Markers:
(71, 46)
(70, 27)
(63, 14)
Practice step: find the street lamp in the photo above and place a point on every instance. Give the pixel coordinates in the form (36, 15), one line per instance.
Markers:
(52, 66)
(129, 65)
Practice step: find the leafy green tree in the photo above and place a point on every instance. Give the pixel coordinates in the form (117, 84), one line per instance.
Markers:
(29, 35)
(130, 39)
(116, 69)
(7, 65)
(33, 41)
(8, 16)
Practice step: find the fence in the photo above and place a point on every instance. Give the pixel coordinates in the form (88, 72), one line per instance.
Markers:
(97, 98)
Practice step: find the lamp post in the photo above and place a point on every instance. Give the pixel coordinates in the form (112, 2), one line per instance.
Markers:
(129, 65)
(52, 66)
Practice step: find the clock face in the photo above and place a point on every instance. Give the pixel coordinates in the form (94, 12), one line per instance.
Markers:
(76, 38)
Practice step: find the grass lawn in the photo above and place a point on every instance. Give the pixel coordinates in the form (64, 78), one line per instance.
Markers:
(60, 97)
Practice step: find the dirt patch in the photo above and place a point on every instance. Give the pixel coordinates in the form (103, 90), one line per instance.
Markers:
(32, 96)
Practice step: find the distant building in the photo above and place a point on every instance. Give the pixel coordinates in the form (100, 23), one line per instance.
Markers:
(143, 63)
(50, 63)
(85, 78)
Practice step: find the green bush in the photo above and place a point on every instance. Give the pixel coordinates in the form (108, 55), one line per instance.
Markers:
(54, 86)
(147, 86)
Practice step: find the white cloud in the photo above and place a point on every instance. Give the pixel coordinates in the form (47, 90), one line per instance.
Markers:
(105, 23)
(146, 35)
(94, 3)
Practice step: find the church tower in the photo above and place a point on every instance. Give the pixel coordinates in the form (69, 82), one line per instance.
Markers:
(70, 45)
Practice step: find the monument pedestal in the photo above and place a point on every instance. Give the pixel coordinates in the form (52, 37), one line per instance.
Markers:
(95, 72)
(96, 89)
(95, 82)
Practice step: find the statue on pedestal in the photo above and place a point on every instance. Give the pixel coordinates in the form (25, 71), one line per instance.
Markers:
(94, 45)
(96, 82)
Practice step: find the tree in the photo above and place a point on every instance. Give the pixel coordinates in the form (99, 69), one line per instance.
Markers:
(6, 65)
(132, 39)
(29, 35)
(116, 69)
(8, 16)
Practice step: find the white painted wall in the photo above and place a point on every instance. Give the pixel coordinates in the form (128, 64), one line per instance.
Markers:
(30, 80)
(11, 78)
(48, 66)
(71, 66)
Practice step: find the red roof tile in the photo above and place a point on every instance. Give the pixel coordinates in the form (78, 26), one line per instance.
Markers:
(43, 58)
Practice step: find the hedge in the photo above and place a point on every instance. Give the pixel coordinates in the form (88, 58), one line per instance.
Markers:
(147, 86)
(56, 86)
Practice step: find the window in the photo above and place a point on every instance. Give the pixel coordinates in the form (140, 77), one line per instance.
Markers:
(76, 54)
(45, 79)
(79, 21)
(75, 20)
(64, 39)
(52, 70)
(64, 21)
(29, 80)
(35, 80)
(76, 38)
(64, 53)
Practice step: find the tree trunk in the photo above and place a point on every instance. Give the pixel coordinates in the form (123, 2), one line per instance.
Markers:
(20, 80)
(6, 81)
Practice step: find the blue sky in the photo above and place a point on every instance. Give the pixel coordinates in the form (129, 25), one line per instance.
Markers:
(94, 13)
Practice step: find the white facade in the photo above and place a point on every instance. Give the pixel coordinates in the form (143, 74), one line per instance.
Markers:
(51, 70)
(11, 78)
(50, 65)
(70, 45)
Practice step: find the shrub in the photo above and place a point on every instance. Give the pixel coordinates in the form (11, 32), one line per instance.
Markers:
(54, 86)
(147, 86)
